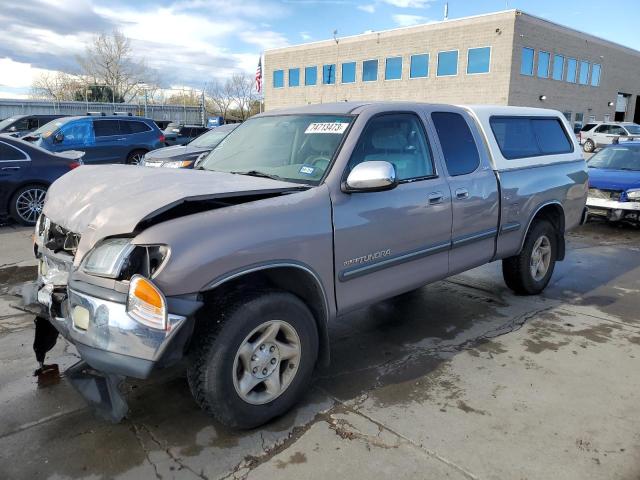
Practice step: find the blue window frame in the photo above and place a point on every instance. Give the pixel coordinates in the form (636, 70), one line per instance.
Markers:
(572, 66)
(349, 72)
(329, 74)
(447, 63)
(370, 70)
(278, 78)
(478, 60)
(558, 67)
(393, 68)
(543, 64)
(583, 78)
(310, 75)
(419, 67)
(294, 77)
(595, 75)
(526, 65)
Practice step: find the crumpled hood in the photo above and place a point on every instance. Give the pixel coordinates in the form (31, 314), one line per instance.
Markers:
(606, 179)
(98, 201)
(176, 152)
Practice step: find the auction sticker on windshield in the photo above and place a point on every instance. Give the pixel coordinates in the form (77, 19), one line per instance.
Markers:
(338, 128)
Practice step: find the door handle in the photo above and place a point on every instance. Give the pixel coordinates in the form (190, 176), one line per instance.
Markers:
(462, 193)
(10, 168)
(435, 198)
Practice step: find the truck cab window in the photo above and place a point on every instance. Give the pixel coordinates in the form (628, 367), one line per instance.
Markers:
(458, 146)
(398, 139)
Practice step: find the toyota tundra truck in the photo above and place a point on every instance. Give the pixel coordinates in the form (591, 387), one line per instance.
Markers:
(236, 268)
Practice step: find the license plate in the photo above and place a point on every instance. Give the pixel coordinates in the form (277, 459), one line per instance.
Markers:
(44, 295)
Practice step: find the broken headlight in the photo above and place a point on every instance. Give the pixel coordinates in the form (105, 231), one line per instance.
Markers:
(108, 257)
(633, 194)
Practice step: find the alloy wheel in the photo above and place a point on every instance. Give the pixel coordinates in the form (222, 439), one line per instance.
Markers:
(29, 204)
(540, 258)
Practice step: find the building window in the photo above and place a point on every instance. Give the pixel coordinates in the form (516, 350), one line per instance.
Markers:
(278, 78)
(370, 70)
(595, 75)
(558, 67)
(478, 60)
(419, 66)
(543, 64)
(572, 66)
(310, 75)
(294, 77)
(349, 72)
(393, 68)
(329, 74)
(447, 63)
(584, 73)
(526, 66)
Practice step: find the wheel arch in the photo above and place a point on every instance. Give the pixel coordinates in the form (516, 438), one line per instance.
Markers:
(553, 212)
(293, 277)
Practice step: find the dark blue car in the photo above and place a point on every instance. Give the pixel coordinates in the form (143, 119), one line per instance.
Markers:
(614, 182)
(102, 139)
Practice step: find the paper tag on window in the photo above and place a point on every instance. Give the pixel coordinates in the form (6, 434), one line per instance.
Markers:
(338, 128)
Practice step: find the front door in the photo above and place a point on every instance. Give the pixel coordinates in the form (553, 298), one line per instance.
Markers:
(474, 191)
(392, 241)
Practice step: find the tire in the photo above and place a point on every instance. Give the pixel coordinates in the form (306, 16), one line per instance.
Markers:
(216, 370)
(518, 270)
(26, 204)
(135, 157)
(589, 146)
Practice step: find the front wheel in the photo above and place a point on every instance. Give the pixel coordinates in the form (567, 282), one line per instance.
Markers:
(257, 364)
(529, 272)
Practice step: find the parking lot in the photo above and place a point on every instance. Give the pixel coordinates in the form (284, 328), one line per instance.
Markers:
(460, 379)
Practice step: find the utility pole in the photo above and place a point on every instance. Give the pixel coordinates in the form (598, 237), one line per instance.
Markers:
(203, 110)
(335, 73)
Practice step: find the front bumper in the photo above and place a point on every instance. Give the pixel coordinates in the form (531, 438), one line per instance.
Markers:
(613, 209)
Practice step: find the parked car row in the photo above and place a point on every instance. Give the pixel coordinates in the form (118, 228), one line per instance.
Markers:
(596, 135)
(19, 125)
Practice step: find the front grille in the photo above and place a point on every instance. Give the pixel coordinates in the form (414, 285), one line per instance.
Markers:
(605, 194)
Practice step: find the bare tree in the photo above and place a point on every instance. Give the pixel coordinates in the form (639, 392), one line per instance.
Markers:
(221, 95)
(188, 98)
(55, 86)
(243, 93)
(109, 60)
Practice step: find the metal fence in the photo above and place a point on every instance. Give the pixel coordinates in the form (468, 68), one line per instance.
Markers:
(176, 113)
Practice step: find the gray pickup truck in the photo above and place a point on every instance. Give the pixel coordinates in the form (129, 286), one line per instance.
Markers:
(297, 217)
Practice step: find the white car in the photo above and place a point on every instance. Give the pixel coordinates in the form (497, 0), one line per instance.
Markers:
(606, 133)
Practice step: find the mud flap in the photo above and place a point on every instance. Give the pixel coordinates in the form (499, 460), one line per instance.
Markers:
(100, 390)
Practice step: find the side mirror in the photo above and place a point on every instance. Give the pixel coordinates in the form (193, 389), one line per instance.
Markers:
(371, 176)
(58, 138)
(12, 129)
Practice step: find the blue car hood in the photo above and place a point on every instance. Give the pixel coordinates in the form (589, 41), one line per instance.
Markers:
(613, 179)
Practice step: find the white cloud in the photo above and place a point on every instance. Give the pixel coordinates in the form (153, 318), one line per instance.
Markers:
(371, 8)
(409, 3)
(18, 74)
(408, 20)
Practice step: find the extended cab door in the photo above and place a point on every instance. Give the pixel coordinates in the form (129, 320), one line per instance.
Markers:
(474, 190)
(389, 242)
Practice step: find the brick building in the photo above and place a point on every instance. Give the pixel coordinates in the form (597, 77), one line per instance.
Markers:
(504, 58)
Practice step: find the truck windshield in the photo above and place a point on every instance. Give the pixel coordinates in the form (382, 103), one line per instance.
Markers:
(617, 158)
(296, 148)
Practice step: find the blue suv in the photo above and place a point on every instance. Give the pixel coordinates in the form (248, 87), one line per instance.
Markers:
(102, 139)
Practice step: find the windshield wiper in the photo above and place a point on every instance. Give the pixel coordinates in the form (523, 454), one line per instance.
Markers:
(258, 173)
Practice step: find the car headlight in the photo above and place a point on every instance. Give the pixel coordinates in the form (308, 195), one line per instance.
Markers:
(633, 194)
(146, 303)
(178, 164)
(108, 257)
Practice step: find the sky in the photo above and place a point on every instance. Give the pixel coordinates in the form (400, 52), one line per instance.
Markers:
(191, 42)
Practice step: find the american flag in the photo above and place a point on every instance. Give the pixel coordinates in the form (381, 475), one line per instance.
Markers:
(259, 76)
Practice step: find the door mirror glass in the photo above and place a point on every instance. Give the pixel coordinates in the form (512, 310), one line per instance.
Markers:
(371, 176)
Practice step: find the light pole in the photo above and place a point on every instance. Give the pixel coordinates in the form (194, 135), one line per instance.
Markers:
(335, 73)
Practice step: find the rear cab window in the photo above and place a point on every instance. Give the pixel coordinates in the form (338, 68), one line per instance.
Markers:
(522, 137)
(458, 145)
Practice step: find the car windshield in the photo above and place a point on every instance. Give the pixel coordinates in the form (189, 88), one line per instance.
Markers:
(633, 129)
(210, 139)
(6, 122)
(617, 158)
(296, 148)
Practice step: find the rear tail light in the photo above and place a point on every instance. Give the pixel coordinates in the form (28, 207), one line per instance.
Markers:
(161, 138)
(73, 165)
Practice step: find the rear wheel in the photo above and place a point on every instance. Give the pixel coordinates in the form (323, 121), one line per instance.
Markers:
(26, 204)
(589, 146)
(135, 157)
(529, 272)
(257, 364)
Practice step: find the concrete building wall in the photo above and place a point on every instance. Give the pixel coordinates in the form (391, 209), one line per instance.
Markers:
(495, 31)
(620, 70)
